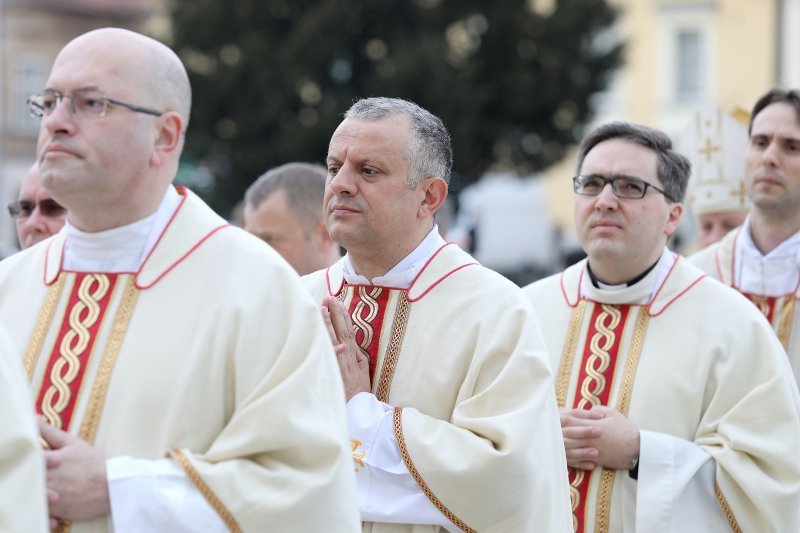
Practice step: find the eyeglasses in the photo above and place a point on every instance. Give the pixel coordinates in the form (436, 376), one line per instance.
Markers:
(48, 208)
(622, 187)
(83, 102)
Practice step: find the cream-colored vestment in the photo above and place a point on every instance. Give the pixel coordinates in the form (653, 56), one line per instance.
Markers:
(212, 354)
(458, 355)
(723, 261)
(23, 505)
(697, 369)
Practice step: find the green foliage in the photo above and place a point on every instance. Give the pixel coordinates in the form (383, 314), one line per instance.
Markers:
(271, 78)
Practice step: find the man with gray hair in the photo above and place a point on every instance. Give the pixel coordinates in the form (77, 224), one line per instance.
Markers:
(284, 209)
(678, 409)
(449, 398)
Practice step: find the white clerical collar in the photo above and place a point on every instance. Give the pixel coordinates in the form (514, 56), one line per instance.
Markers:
(640, 293)
(121, 249)
(404, 272)
(774, 274)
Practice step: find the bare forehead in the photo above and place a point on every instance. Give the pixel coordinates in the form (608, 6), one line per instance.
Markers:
(614, 157)
(370, 138)
(779, 118)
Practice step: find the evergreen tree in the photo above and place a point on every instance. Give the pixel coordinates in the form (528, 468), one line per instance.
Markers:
(271, 78)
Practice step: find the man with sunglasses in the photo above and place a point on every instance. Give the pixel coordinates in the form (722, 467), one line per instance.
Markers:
(184, 376)
(678, 411)
(36, 214)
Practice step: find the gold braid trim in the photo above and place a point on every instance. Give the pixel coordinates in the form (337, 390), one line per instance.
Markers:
(726, 509)
(602, 518)
(97, 398)
(785, 322)
(568, 354)
(43, 324)
(205, 490)
(395, 342)
(401, 443)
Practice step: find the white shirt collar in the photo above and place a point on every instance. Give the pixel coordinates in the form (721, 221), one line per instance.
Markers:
(403, 273)
(121, 249)
(774, 274)
(640, 293)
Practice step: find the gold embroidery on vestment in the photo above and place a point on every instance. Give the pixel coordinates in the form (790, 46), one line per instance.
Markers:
(784, 329)
(206, 491)
(91, 419)
(726, 509)
(595, 382)
(92, 290)
(46, 315)
(401, 444)
(395, 342)
(369, 300)
(602, 517)
(568, 353)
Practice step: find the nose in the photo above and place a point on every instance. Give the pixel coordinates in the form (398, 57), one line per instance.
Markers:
(606, 200)
(770, 154)
(344, 181)
(61, 119)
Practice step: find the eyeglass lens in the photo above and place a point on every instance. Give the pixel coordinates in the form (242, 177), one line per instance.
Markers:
(48, 208)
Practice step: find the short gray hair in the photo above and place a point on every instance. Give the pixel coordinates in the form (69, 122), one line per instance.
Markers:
(304, 185)
(429, 153)
(673, 169)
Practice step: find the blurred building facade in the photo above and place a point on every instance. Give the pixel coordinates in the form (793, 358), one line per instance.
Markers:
(31, 34)
(682, 55)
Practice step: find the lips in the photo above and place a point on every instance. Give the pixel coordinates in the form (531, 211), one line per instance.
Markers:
(58, 150)
(342, 209)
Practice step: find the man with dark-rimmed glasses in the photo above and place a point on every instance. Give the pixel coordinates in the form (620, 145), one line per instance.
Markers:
(678, 411)
(36, 213)
(183, 375)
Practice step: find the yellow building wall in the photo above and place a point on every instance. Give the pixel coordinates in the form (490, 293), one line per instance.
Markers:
(742, 62)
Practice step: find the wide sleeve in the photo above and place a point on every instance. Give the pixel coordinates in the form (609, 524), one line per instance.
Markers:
(498, 464)
(751, 428)
(282, 462)
(23, 504)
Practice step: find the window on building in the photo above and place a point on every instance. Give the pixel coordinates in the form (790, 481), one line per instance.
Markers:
(690, 68)
(28, 76)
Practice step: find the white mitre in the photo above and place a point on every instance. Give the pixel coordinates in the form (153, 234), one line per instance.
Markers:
(715, 142)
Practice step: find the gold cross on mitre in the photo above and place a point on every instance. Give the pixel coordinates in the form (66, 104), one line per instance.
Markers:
(709, 149)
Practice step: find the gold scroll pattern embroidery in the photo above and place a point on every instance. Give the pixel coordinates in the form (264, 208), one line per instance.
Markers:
(369, 300)
(598, 361)
(93, 288)
(595, 383)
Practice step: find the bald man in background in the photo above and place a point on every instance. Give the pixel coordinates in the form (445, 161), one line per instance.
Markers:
(36, 214)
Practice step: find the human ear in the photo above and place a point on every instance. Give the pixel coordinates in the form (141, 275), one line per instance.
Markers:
(169, 137)
(672, 221)
(435, 191)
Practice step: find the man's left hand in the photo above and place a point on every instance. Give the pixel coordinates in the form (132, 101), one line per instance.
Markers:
(614, 436)
(76, 476)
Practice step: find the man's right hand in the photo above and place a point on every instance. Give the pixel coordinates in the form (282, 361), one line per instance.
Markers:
(353, 360)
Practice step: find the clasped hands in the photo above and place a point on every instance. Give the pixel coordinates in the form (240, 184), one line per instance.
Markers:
(601, 436)
(77, 488)
(353, 360)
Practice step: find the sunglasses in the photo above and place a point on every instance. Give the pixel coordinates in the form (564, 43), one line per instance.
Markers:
(48, 208)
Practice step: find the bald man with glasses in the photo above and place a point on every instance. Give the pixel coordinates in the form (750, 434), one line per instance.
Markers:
(184, 376)
(678, 410)
(36, 213)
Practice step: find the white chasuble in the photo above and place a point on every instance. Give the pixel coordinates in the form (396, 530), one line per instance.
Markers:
(698, 370)
(458, 358)
(211, 354)
(722, 260)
